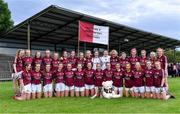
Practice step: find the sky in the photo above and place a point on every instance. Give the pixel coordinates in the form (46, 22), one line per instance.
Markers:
(157, 16)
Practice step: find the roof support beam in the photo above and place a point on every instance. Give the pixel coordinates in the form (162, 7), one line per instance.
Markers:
(64, 40)
(124, 43)
(151, 45)
(138, 43)
(125, 35)
(28, 36)
(170, 44)
(59, 27)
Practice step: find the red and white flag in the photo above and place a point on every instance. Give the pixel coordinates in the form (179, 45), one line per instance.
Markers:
(91, 33)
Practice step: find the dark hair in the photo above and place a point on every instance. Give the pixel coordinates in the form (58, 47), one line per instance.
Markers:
(36, 54)
(26, 64)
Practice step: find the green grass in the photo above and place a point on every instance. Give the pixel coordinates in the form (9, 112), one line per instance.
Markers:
(86, 105)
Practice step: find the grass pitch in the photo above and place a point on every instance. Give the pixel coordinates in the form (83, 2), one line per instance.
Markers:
(87, 105)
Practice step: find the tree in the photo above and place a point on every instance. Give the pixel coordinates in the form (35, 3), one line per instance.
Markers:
(5, 17)
(170, 55)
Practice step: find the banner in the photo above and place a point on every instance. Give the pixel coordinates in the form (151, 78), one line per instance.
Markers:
(91, 33)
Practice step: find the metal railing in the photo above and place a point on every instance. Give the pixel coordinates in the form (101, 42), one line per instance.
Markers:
(5, 70)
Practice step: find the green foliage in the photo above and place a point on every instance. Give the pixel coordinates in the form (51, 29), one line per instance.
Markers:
(87, 105)
(170, 55)
(5, 17)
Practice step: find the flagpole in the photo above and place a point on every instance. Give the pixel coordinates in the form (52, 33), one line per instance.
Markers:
(108, 47)
(78, 47)
(78, 38)
(108, 42)
(84, 47)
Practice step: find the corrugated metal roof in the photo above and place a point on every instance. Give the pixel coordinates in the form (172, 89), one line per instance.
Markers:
(56, 26)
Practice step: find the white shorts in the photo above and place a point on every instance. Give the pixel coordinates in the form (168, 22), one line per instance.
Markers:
(160, 90)
(165, 73)
(89, 86)
(48, 88)
(139, 89)
(79, 89)
(129, 89)
(118, 88)
(60, 87)
(98, 89)
(36, 88)
(27, 88)
(68, 88)
(150, 89)
(16, 75)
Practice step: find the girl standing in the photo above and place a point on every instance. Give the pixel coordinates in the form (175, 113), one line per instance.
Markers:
(59, 81)
(118, 80)
(89, 80)
(138, 81)
(128, 78)
(79, 81)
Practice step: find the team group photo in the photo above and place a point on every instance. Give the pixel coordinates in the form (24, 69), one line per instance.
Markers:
(81, 56)
(69, 75)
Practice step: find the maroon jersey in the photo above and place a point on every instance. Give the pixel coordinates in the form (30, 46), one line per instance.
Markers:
(47, 77)
(47, 61)
(81, 61)
(163, 61)
(138, 78)
(79, 79)
(123, 63)
(59, 76)
(118, 78)
(149, 77)
(26, 77)
(36, 61)
(19, 64)
(98, 75)
(89, 76)
(72, 60)
(128, 77)
(88, 60)
(27, 60)
(153, 60)
(108, 74)
(113, 61)
(133, 61)
(143, 61)
(55, 64)
(69, 78)
(158, 76)
(64, 61)
(36, 77)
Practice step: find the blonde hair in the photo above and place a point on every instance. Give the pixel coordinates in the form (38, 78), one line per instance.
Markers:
(18, 52)
(138, 63)
(81, 53)
(160, 49)
(153, 53)
(148, 62)
(114, 51)
(123, 53)
(157, 62)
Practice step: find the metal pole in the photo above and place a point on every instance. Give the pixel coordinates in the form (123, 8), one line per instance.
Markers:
(84, 47)
(78, 47)
(55, 47)
(174, 54)
(108, 47)
(119, 45)
(28, 36)
(78, 38)
(75, 48)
